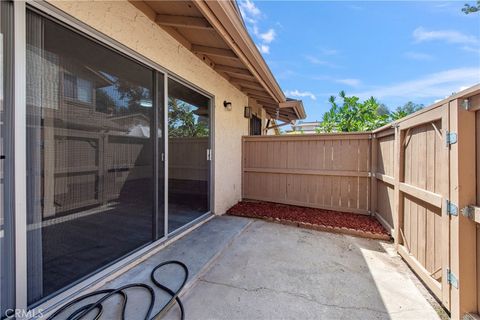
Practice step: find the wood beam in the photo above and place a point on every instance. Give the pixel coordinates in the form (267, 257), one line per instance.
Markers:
(216, 52)
(246, 83)
(183, 22)
(257, 93)
(262, 98)
(268, 104)
(233, 70)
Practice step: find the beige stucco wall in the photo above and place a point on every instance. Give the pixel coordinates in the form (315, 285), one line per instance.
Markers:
(121, 21)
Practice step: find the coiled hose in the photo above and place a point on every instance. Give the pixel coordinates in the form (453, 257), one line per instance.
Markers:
(108, 293)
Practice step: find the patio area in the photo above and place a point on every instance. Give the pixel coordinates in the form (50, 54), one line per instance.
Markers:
(244, 268)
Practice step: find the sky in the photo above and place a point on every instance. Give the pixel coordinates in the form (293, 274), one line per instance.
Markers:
(396, 51)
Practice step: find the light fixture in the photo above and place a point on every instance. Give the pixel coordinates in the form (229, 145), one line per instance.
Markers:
(227, 105)
(247, 112)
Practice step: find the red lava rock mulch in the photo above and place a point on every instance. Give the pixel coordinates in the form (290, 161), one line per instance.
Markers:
(318, 219)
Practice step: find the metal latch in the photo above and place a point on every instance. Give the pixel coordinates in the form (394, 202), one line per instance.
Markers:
(452, 278)
(450, 138)
(209, 154)
(469, 212)
(452, 209)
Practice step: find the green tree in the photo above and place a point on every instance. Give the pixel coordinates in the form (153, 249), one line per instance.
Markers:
(467, 9)
(383, 109)
(182, 122)
(104, 102)
(405, 110)
(351, 115)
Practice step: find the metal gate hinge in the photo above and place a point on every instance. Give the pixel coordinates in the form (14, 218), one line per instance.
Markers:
(452, 278)
(450, 138)
(452, 209)
(209, 154)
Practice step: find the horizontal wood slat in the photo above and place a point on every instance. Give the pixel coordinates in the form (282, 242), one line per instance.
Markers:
(385, 178)
(424, 195)
(339, 173)
(311, 137)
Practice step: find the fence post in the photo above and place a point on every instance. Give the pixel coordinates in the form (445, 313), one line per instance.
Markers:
(373, 178)
(462, 193)
(398, 176)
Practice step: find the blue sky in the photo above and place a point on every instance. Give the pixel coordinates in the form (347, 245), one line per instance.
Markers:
(419, 51)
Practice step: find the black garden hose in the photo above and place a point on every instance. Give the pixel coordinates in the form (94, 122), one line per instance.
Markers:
(97, 306)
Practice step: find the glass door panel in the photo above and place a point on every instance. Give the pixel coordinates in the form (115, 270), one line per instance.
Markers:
(188, 166)
(90, 153)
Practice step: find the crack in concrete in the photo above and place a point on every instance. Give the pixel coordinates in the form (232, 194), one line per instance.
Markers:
(298, 295)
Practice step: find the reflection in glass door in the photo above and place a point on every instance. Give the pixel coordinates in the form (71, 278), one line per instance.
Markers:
(188, 147)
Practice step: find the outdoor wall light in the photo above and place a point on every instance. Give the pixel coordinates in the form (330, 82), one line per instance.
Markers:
(227, 105)
(247, 112)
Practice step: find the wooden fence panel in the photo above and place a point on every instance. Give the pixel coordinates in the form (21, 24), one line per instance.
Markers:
(423, 190)
(383, 201)
(329, 171)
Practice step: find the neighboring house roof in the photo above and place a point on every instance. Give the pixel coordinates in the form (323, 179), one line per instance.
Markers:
(216, 33)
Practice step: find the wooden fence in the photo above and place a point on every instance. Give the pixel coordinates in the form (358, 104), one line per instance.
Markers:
(418, 176)
(322, 171)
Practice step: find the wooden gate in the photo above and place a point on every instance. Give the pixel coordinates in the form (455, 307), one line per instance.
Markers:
(421, 190)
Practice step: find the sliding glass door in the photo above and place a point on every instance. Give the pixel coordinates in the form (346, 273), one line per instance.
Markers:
(188, 154)
(94, 132)
(96, 156)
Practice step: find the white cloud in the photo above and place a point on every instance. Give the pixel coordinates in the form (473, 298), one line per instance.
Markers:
(329, 52)
(418, 56)
(264, 48)
(433, 85)
(268, 36)
(300, 94)
(451, 36)
(252, 16)
(347, 81)
(471, 49)
(350, 82)
(249, 8)
(315, 60)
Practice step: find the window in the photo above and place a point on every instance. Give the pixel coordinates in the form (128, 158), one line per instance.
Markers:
(78, 89)
(90, 171)
(255, 126)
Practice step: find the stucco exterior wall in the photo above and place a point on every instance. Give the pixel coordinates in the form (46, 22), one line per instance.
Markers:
(124, 23)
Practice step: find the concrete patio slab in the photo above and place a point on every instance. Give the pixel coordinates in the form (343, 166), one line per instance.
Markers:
(250, 269)
(273, 271)
(197, 249)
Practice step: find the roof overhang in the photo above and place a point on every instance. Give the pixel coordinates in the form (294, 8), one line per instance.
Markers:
(216, 33)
